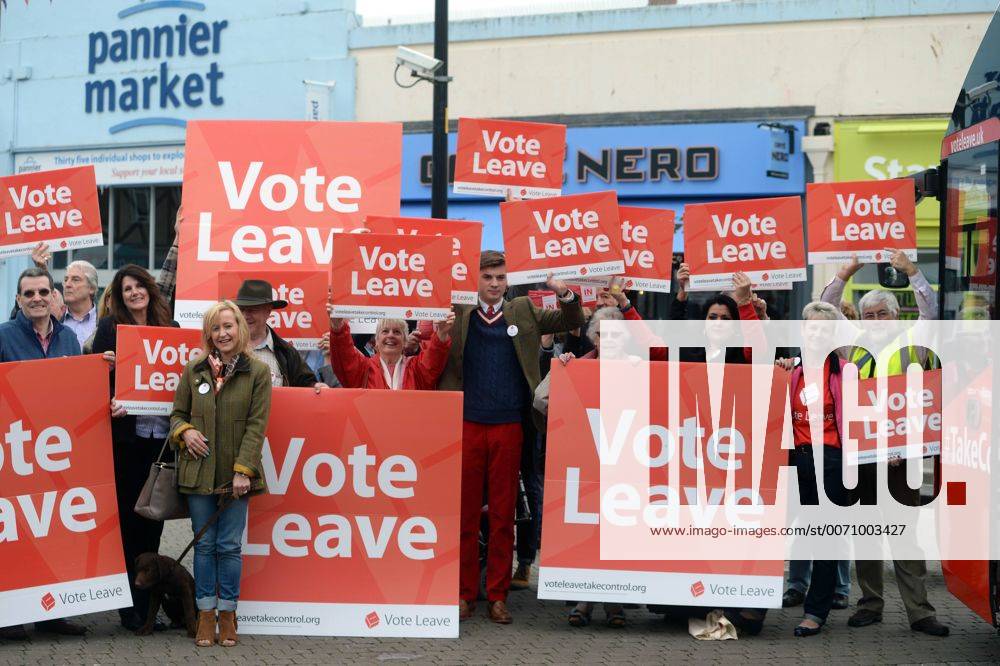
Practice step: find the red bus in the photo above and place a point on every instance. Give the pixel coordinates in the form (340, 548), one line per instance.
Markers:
(966, 184)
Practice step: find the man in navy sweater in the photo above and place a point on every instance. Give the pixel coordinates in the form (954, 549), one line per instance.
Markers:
(494, 360)
(35, 334)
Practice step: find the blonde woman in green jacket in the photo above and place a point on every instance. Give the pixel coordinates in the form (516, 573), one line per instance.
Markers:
(220, 414)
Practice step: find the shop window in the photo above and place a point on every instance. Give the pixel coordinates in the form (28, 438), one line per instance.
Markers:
(168, 200)
(98, 256)
(131, 227)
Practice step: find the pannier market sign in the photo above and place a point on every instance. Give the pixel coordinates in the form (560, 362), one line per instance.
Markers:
(160, 88)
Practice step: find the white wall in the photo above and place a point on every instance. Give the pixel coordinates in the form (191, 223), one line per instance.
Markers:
(856, 67)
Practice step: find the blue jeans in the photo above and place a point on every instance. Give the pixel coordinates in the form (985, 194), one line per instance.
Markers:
(800, 572)
(218, 561)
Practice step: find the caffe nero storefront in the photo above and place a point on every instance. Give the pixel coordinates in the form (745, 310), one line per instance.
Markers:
(650, 162)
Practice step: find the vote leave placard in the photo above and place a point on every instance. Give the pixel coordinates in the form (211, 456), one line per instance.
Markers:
(358, 532)
(760, 237)
(576, 236)
(647, 247)
(893, 405)
(861, 218)
(59, 537)
(265, 195)
(495, 157)
(466, 240)
(149, 361)
(388, 275)
(304, 320)
(59, 207)
(571, 566)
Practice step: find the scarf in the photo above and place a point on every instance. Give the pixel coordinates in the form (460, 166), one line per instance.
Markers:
(221, 372)
(394, 380)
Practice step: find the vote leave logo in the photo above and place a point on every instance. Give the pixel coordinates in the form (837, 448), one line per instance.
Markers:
(764, 277)
(697, 589)
(64, 245)
(583, 270)
(48, 601)
(371, 620)
(409, 314)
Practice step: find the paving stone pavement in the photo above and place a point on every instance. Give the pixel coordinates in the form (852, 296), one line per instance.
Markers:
(540, 635)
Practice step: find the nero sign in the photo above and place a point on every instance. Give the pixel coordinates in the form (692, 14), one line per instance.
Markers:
(161, 89)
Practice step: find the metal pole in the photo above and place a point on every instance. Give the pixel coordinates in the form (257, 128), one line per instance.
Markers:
(439, 153)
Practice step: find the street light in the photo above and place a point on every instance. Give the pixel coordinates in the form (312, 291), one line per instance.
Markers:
(435, 71)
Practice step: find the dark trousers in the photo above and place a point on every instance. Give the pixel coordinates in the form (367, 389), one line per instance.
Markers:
(911, 575)
(819, 597)
(532, 472)
(139, 535)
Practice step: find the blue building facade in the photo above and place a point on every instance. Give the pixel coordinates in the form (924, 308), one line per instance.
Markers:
(113, 83)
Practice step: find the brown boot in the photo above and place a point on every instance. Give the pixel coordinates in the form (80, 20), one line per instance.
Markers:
(206, 629)
(499, 613)
(520, 579)
(227, 628)
(465, 610)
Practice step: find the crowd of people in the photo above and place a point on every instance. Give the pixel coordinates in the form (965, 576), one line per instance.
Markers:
(497, 353)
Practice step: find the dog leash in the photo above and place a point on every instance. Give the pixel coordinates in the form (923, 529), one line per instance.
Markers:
(225, 502)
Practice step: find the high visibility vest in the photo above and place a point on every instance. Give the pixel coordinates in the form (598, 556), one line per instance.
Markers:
(898, 364)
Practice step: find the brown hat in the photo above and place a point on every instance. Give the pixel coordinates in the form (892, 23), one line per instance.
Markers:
(257, 292)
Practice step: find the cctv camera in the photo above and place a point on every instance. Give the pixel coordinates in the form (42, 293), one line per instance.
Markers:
(422, 65)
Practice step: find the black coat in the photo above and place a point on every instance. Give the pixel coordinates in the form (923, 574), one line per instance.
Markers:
(294, 370)
(106, 339)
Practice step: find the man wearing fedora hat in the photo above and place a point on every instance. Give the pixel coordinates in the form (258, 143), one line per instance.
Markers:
(256, 301)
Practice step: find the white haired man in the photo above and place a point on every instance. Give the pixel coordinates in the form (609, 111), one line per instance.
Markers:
(79, 293)
(880, 305)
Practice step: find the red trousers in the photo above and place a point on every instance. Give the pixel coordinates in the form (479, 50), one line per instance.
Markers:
(491, 454)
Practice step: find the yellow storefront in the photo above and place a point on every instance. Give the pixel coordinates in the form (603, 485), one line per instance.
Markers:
(893, 148)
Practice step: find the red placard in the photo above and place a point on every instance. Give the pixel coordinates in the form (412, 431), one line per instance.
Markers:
(466, 237)
(571, 565)
(149, 361)
(577, 236)
(270, 195)
(59, 537)
(544, 298)
(358, 532)
(893, 403)
(861, 218)
(304, 320)
(495, 157)
(58, 207)
(388, 275)
(760, 237)
(647, 247)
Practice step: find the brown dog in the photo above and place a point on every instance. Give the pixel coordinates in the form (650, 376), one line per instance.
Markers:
(169, 584)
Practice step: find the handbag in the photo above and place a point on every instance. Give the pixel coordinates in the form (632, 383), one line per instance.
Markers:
(160, 499)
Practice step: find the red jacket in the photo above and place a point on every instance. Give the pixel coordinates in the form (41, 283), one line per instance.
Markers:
(355, 370)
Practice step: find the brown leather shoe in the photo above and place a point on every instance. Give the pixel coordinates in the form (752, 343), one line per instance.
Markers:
(499, 613)
(206, 629)
(521, 577)
(227, 628)
(465, 610)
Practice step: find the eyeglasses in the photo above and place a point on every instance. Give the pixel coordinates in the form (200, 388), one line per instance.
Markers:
(611, 335)
(881, 314)
(30, 293)
(714, 317)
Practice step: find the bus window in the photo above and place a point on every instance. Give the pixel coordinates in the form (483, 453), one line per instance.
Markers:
(971, 235)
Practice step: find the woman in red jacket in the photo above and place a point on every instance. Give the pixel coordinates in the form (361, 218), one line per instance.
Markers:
(390, 368)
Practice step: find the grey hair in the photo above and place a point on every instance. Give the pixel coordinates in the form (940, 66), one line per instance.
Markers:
(820, 310)
(609, 313)
(88, 270)
(877, 297)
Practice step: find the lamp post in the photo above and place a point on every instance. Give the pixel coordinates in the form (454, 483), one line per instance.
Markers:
(439, 151)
